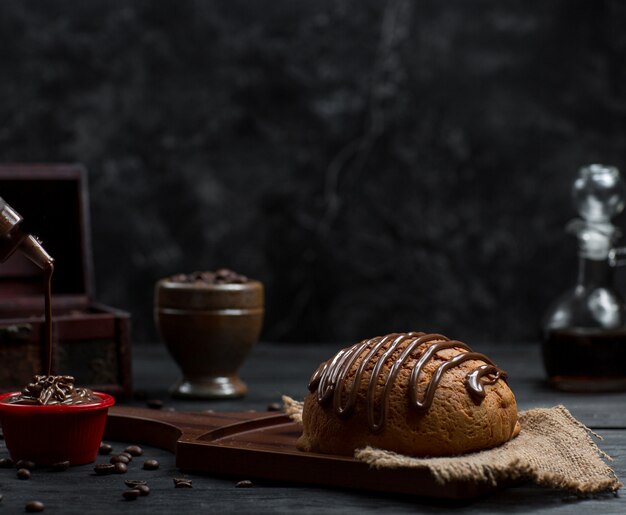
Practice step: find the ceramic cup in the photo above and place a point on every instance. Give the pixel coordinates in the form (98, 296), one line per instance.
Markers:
(51, 434)
(209, 330)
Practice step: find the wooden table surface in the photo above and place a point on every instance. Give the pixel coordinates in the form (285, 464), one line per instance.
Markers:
(276, 369)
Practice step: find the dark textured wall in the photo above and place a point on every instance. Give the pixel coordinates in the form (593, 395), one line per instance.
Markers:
(379, 165)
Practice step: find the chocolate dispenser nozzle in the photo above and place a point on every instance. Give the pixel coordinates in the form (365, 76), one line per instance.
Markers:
(33, 250)
(13, 238)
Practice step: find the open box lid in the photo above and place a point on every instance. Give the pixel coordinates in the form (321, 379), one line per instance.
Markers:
(54, 202)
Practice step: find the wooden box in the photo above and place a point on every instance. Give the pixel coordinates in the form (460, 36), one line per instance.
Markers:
(90, 341)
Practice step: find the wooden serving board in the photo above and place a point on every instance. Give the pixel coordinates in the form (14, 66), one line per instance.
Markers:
(255, 445)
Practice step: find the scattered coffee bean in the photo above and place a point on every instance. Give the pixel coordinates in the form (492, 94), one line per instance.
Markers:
(25, 464)
(274, 406)
(34, 507)
(119, 459)
(131, 495)
(24, 474)
(0, 497)
(151, 464)
(60, 466)
(143, 489)
(182, 482)
(104, 468)
(6, 463)
(134, 450)
(154, 403)
(105, 448)
(121, 468)
(246, 483)
(127, 454)
(133, 483)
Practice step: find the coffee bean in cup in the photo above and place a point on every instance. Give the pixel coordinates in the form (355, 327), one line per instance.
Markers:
(220, 276)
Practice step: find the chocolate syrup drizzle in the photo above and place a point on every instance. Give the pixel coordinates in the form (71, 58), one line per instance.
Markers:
(331, 378)
(47, 274)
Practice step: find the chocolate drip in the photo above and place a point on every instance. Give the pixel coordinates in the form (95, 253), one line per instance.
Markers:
(48, 317)
(333, 376)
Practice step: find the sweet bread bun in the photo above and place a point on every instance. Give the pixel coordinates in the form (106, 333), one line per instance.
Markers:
(413, 393)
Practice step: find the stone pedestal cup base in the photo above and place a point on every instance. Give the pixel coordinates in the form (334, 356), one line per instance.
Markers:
(218, 387)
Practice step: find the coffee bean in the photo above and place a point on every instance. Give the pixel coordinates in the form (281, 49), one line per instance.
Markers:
(127, 454)
(105, 448)
(60, 466)
(121, 468)
(182, 482)
(132, 483)
(131, 495)
(154, 403)
(24, 474)
(6, 463)
(25, 464)
(143, 489)
(151, 464)
(244, 484)
(104, 468)
(119, 459)
(134, 450)
(275, 406)
(0, 497)
(34, 506)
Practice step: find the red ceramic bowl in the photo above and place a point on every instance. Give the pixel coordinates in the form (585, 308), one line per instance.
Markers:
(51, 434)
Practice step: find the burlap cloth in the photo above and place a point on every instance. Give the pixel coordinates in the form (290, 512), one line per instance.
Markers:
(553, 450)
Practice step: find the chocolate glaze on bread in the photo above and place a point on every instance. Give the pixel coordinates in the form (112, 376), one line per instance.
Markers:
(413, 393)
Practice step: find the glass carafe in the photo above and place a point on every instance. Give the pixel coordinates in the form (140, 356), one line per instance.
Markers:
(584, 332)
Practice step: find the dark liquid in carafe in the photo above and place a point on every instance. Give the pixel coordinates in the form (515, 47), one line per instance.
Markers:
(586, 359)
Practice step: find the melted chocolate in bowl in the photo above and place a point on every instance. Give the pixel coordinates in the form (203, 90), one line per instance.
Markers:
(333, 377)
(53, 391)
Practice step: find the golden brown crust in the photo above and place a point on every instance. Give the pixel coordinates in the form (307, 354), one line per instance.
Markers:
(454, 424)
